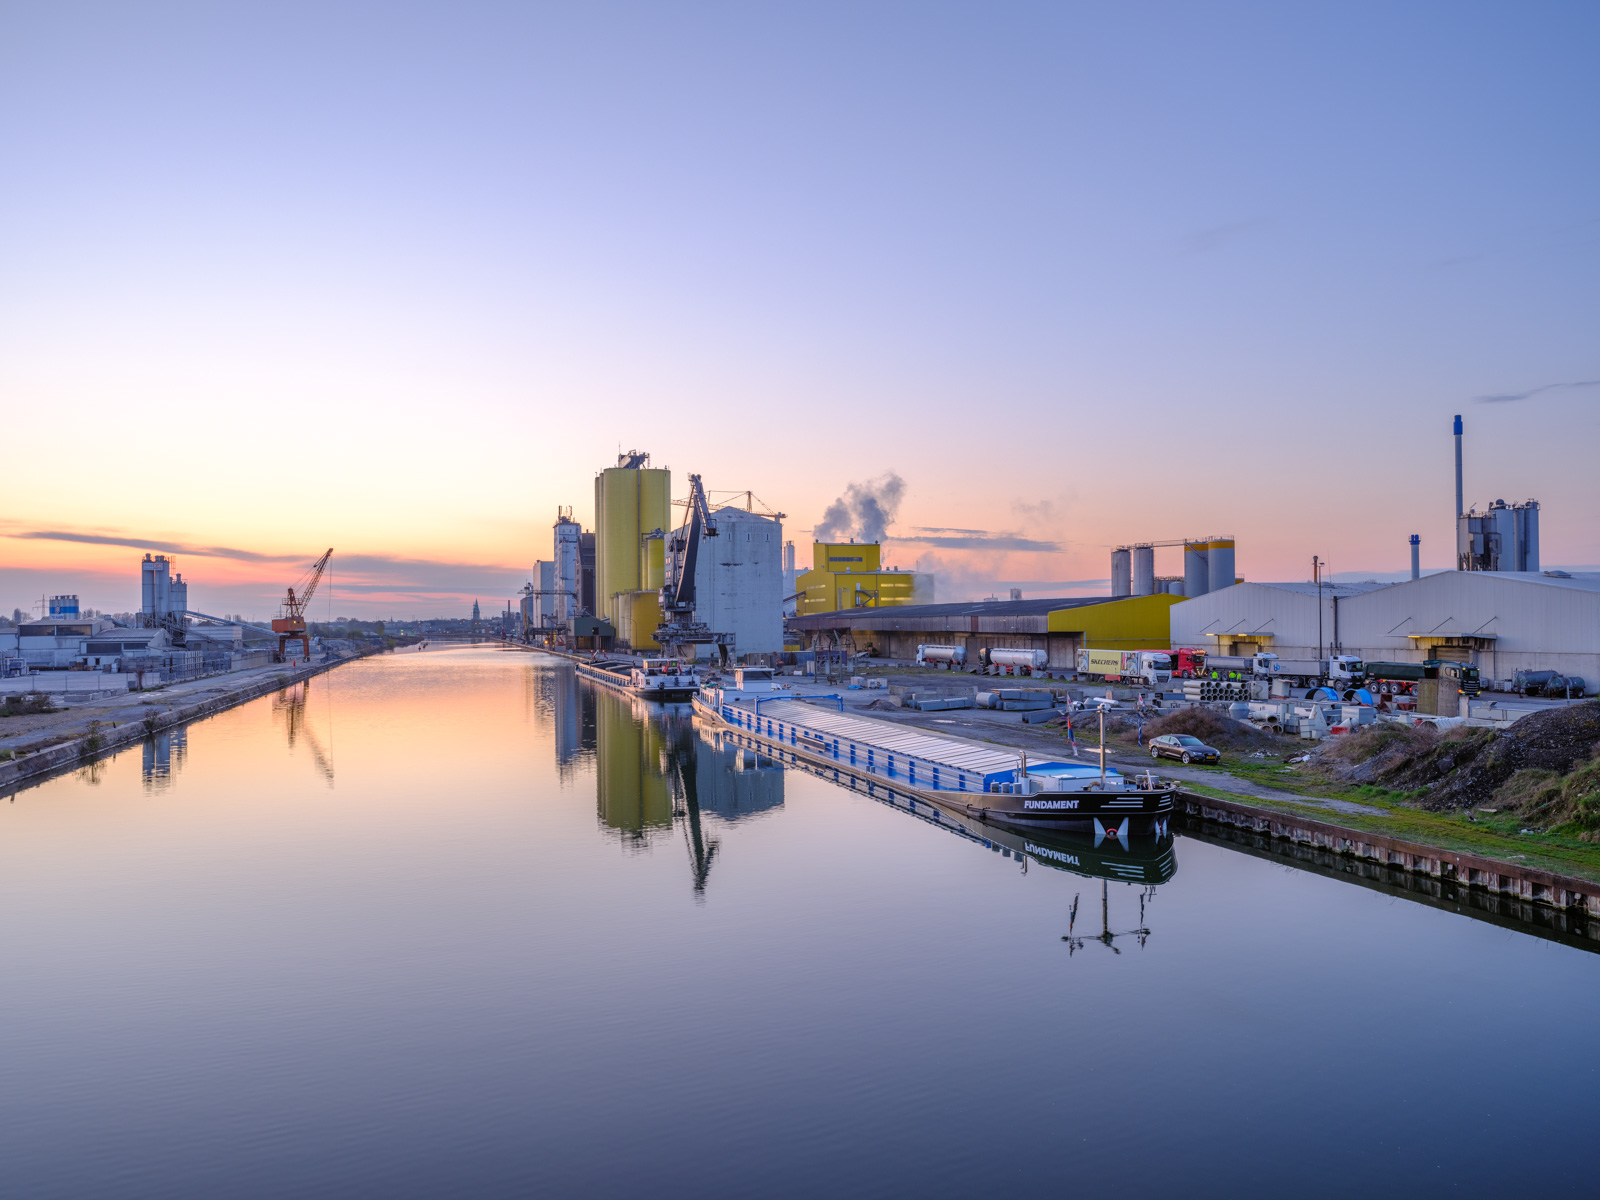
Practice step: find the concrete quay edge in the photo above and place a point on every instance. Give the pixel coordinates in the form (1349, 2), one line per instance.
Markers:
(1533, 885)
(71, 755)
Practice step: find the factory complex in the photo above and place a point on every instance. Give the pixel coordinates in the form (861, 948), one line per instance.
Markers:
(720, 581)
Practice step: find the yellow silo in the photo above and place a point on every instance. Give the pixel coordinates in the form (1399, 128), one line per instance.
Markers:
(630, 500)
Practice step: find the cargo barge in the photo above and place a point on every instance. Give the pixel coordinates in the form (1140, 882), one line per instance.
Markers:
(652, 678)
(981, 782)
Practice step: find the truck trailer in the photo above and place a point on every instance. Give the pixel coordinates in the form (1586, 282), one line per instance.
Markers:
(1148, 666)
(1342, 672)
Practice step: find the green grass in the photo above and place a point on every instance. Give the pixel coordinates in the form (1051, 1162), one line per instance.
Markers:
(1497, 836)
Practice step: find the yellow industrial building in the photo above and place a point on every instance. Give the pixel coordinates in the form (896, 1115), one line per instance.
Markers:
(1060, 627)
(632, 513)
(850, 575)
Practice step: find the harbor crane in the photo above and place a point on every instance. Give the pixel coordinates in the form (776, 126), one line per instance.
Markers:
(290, 623)
(679, 626)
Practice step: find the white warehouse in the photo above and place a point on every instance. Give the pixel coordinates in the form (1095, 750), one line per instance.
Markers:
(1502, 621)
(738, 581)
(1280, 617)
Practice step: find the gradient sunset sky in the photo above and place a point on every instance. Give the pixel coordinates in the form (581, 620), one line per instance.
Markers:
(399, 278)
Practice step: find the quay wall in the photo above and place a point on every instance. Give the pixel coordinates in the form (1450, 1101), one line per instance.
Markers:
(78, 752)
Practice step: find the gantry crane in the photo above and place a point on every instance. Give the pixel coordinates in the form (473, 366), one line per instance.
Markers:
(680, 628)
(291, 619)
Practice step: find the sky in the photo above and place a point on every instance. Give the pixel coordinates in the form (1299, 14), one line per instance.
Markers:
(400, 278)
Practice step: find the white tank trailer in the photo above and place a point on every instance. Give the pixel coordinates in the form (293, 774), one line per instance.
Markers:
(1016, 662)
(950, 656)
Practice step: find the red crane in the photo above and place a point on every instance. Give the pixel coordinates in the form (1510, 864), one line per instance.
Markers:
(291, 619)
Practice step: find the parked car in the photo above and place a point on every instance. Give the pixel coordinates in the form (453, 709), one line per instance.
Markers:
(1183, 748)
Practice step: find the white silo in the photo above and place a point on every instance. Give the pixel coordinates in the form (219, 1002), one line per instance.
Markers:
(1121, 572)
(1144, 570)
(568, 570)
(1196, 573)
(1219, 563)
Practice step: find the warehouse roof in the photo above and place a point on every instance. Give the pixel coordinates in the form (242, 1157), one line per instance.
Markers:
(966, 608)
(1307, 588)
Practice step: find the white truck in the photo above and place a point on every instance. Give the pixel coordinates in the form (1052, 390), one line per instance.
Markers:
(1342, 672)
(949, 656)
(1148, 666)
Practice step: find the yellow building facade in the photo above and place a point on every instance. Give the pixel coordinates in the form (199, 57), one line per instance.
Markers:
(847, 575)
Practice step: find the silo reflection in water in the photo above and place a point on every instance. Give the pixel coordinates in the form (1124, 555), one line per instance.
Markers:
(633, 794)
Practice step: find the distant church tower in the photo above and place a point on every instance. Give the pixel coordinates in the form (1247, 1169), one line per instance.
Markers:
(477, 618)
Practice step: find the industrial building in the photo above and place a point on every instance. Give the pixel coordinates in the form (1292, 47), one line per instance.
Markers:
(1291, 620)
(1503, 537)
(738, 581)
(850, 575)
(1501, 621)
(1060, 627)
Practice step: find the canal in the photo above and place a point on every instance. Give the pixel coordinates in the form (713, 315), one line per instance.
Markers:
(459, 923)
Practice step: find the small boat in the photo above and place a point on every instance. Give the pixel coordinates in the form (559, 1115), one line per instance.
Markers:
(652, 678)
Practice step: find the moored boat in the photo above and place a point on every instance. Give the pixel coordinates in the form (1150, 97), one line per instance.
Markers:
(652, 678)
(976, 780)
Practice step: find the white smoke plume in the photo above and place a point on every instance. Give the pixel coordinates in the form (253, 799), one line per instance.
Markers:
(864, 512)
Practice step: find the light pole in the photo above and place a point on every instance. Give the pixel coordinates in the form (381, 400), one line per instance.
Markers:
(1316, 575)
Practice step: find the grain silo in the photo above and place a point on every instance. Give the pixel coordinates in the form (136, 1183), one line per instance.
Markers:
(1196, 572)
(630, 501)
(1219, 563)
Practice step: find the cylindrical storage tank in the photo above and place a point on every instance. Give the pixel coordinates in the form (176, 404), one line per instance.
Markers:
(942, 654)
(568, 570)
(1175, 587)
(1196, 574)
(1035, 660)
(1530, 535)
(1121, 572)
(147, 585)
(629, 502)
(1219, 563)
(652, 563)
(1144, 570)
(178, 596)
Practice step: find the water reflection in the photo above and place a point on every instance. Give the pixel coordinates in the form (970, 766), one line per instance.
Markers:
(289, 709)
(655, 769)
(164, 755)
(561, 708)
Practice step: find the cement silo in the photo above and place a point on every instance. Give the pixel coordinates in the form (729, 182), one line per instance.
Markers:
(1144, 570)
(630, 500)
(1121, 572)
(568, 577)
(1219, 563)
(155, 589)
(1196, 572)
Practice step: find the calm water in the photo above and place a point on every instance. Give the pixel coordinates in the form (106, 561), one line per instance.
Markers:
(457, 923)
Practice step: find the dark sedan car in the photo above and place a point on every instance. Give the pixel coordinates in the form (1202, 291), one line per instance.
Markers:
(1184, 748)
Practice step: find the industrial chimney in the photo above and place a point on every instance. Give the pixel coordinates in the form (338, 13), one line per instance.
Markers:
(1459, 508)
(1416, 557)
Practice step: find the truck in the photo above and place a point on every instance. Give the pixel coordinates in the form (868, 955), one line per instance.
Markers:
(1464, 674)
(1342, 672)
(1148, 666)
(1188, 663)
(950, 656)
(1395, 678)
